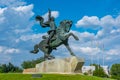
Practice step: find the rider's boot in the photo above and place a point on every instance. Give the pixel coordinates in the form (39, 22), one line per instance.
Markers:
(35, 51)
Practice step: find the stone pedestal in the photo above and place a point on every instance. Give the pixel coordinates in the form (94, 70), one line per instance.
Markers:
(66, 65)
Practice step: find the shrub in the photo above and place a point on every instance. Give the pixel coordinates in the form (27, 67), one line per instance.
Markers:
(8, 68)
(115, 71)
(85, 73)
(99, 71)
(31, 64)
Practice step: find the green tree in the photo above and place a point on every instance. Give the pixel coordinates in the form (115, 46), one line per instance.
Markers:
(115, 71)
(4, 68)
(10, 67)
(31, 64)
(99, 71)
(7, 68)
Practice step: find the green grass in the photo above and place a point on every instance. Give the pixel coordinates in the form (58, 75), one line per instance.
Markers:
(49, 77)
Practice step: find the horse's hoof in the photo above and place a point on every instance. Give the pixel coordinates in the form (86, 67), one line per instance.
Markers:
(73, 55)
(77, 38)
(50, 57)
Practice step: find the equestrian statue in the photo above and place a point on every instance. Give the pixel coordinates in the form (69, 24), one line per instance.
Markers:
(55, 37)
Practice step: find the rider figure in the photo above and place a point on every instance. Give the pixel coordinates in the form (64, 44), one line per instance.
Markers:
(50, 23)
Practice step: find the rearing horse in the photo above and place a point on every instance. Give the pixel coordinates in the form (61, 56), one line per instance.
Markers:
(61, 37)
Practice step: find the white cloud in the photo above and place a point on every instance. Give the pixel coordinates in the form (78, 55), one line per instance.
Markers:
(107, 25)
(89, 50)
(84, 36)
(115, 31)
(15, 22)
(2, 18)
(55, 14)
(1, 49)
(7, 50)
(11, 3)
(2, 11)
(99, 34)
(104, 25)
(94, 21)
(117, 21)
(88, 21)
(113, 52)
(87, 35)
(18, 31)
(24, 9)
(18, 18)
(95, 44)
(30, 37)
(107, 21)
(108, 58)
(12, 50)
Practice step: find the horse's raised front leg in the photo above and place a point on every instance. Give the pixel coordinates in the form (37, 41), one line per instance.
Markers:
(71, 34)
(69, 49)
(75, 37)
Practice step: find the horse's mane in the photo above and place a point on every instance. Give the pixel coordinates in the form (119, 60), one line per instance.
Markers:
(62, 24)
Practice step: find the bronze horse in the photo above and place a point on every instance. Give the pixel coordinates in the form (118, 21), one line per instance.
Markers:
(60, 37)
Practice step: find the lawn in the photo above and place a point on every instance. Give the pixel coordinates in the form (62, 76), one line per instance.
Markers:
(48, 77)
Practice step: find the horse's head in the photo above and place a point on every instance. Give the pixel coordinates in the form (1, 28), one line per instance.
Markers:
(66, 25)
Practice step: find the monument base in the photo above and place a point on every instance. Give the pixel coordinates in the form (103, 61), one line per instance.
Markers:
(67, 65)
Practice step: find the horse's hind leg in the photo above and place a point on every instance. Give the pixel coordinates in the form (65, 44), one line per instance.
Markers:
(47, 55)
(36, 50)
(69, 49)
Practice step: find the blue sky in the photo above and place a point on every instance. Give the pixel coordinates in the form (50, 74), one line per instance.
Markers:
(96, 23)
